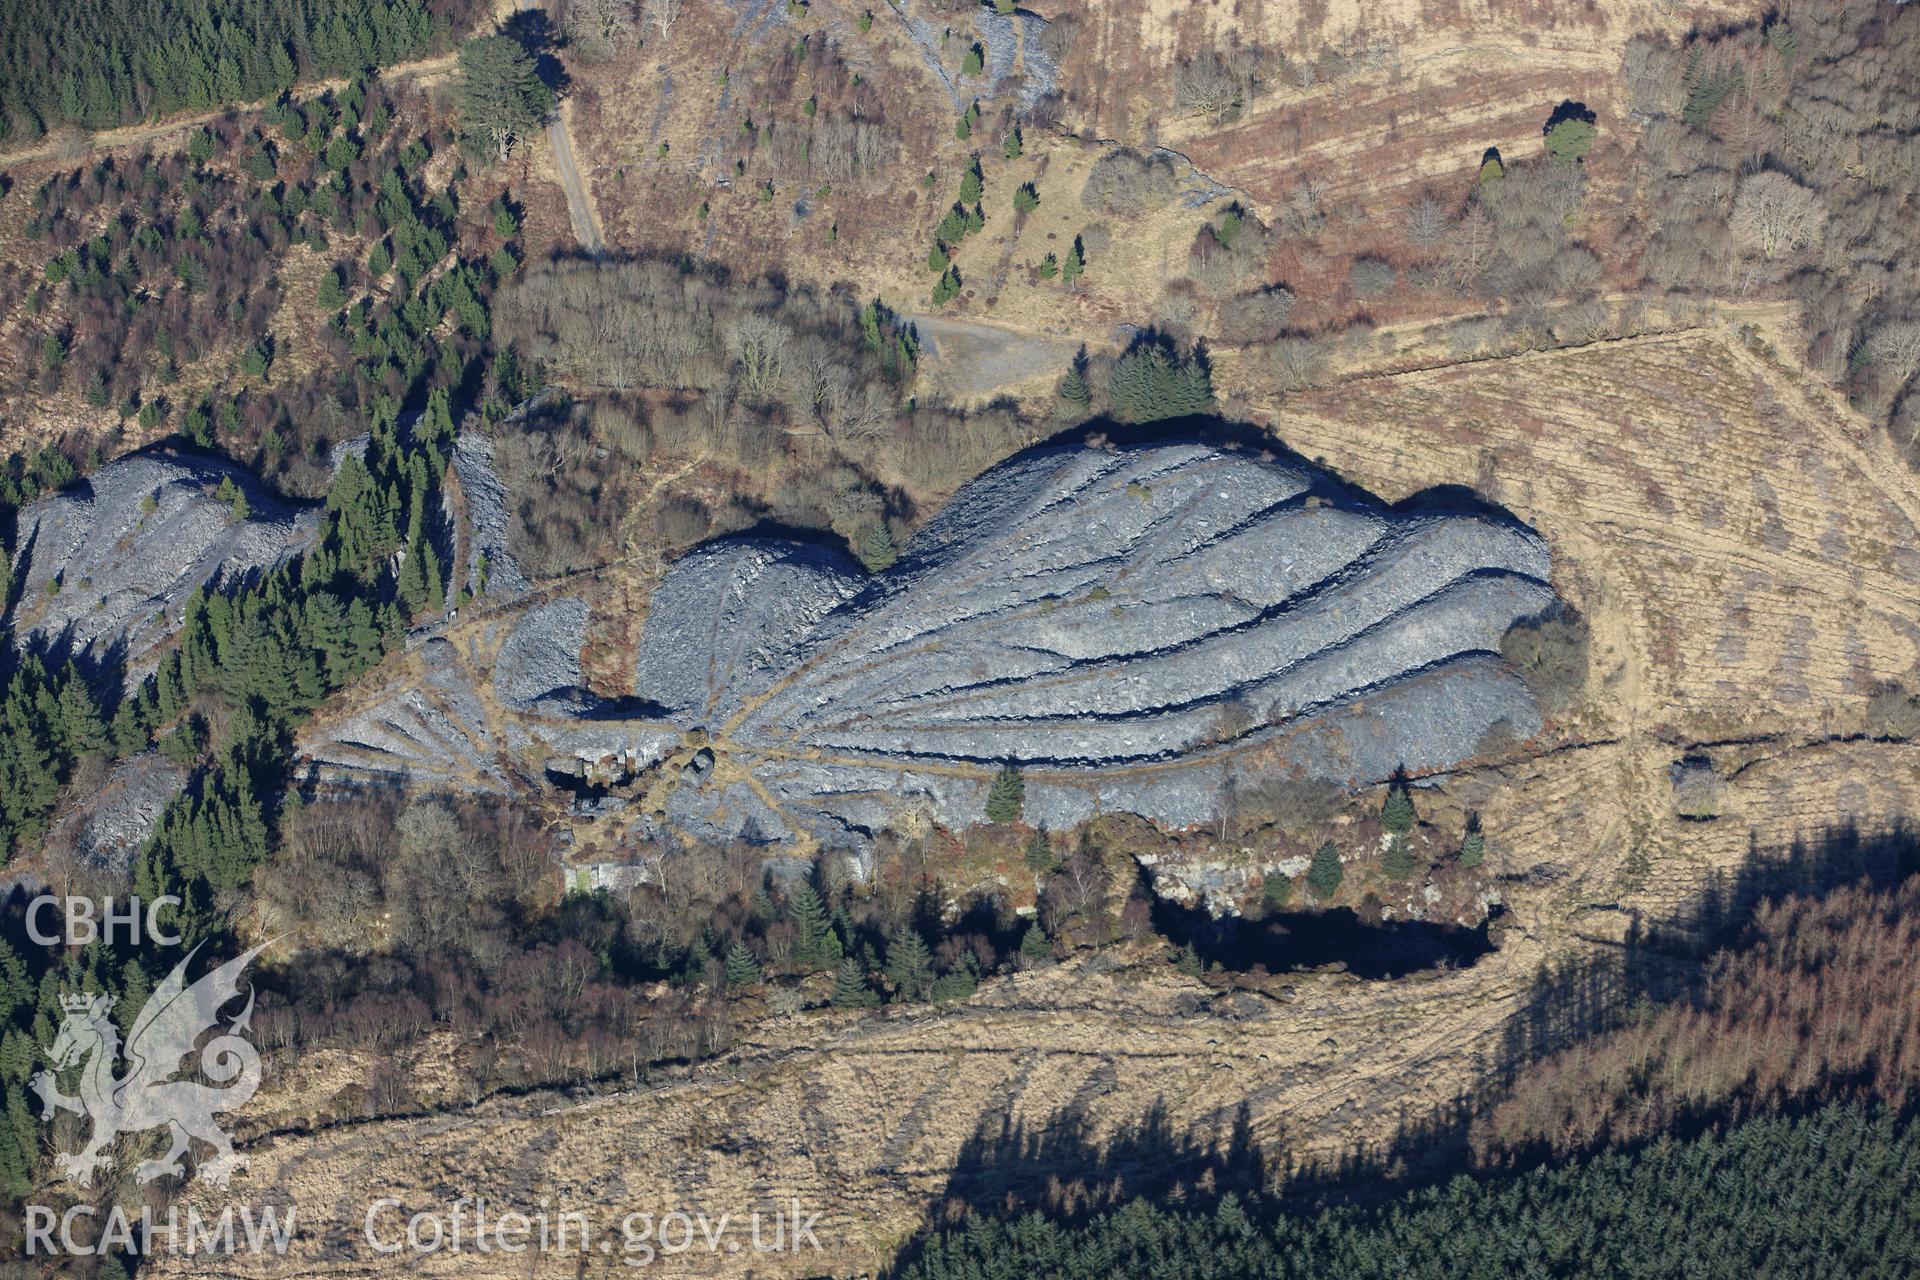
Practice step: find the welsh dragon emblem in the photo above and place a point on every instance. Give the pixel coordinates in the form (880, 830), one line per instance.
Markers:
(146, 1097)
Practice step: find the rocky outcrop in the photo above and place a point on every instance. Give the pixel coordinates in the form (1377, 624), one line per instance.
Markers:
(109, 561)
(1134, 629)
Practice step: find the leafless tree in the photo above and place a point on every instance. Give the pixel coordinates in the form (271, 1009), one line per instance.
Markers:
(1774, 215)
(1371, 277)
(600, 27)
(1215, 83)
(718, 404)
(663, 14)
(1306, 210)
(1080, 887)
(1471, 246)
(1896, 349)
(1256, 316)
(757, 345)
(1296, 362)
(857, 412)
(1654, 72)
(1426, 221)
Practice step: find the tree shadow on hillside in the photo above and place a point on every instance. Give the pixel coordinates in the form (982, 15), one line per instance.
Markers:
(1659, 961)
(538, 35)
(1291, 941)
(1063, 1168)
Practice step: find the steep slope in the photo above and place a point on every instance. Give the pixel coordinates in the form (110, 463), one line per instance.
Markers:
(110, 561)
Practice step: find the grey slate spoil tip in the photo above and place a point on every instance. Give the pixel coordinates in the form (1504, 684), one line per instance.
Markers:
(1136, 629)
(110, 560)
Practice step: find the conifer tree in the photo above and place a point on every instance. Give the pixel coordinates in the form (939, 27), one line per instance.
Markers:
(81, 730)
(1035, 948)
(1151, 383)
(1006, 795)
(1397, 815)
(1473, 846)
(501, 98)
(810, 928)
(1074, 391)
(1326, 873)
(1075, 264)
(743, 970)
(411, 585)
(16, 1156)
(946, 287)
(1398, 861)
(958, 982)
(972, 182)
(128, 735)
(877, 551)
(1039, 852)
(430, 575)
(850, 989)
(909, 964)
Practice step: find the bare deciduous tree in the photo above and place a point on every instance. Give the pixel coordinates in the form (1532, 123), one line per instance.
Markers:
(1774, 215)
(1426, 221)
(1471, 247)
(1296, 362)
(757, 345)
(1216, 83)
(1896, 348)
(600, 27)
(663, 14)
(1306, 210)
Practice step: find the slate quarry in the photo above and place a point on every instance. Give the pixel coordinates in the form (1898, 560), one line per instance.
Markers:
(1136, 629)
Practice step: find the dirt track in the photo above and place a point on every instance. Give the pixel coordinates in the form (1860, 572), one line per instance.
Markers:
(586, 227)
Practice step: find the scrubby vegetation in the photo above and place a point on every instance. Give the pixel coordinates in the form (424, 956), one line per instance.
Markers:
(806, 398)
(1550, 653)
(155, 266)
(1785, 135)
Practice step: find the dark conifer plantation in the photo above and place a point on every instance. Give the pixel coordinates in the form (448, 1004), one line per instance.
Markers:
(101, 63)
(1827, 1195)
